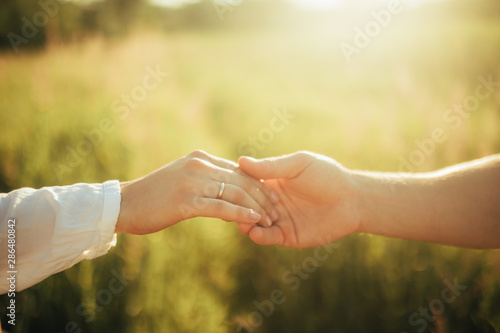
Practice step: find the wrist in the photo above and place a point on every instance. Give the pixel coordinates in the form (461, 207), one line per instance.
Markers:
(122, 224)
(368, 189)
(383, 199)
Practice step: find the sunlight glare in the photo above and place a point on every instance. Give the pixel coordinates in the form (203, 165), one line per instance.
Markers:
(317, 4)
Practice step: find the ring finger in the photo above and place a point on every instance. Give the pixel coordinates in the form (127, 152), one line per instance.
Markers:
(236, 195)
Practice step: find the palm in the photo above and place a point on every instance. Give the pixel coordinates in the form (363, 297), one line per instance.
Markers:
(314, 209)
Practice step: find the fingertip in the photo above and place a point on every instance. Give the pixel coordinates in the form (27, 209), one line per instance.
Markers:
(254, 216)
(247, 158)
(256, 234)
(262, 236)
(245, 161)
(268, 222)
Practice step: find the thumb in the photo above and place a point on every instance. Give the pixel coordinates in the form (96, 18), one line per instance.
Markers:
(288, 166)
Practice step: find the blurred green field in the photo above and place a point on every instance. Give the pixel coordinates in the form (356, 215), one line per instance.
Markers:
(222, 88)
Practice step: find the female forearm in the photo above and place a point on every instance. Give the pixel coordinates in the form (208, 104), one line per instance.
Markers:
(458, 206)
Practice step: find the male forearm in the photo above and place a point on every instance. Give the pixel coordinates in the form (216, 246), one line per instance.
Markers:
(455, 206)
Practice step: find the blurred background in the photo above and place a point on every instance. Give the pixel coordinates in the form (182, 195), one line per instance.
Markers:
(113, 89)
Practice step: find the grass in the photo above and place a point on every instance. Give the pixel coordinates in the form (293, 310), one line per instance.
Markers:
(222, 88)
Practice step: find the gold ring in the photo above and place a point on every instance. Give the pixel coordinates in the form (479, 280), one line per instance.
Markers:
(221, 190)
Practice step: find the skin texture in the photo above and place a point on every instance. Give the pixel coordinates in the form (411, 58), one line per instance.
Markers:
(321, 201)
(188, 187)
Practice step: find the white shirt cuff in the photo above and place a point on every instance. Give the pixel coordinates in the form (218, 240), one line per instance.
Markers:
(107, 223)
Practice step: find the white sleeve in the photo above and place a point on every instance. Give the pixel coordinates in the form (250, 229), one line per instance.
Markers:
(56, 227)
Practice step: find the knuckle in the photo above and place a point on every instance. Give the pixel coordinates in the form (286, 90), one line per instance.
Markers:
(198, 153)
(304, 156)
(195, 163)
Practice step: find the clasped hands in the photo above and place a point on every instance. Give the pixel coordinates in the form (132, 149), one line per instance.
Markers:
(299, 200)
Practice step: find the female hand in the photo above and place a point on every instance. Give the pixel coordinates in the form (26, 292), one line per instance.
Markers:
(189, 187)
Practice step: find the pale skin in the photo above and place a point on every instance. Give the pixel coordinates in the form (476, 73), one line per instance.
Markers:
(322, 201)
(188, 187)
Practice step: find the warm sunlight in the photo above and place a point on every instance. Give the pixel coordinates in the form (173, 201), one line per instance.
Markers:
(304, 4)
(317, 4)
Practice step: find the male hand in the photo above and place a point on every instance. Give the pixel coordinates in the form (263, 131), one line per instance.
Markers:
(318, 200)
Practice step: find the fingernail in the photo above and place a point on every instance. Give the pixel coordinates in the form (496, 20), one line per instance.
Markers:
(274, 197)
(255, 216)
(274, 214)
(268, 221)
